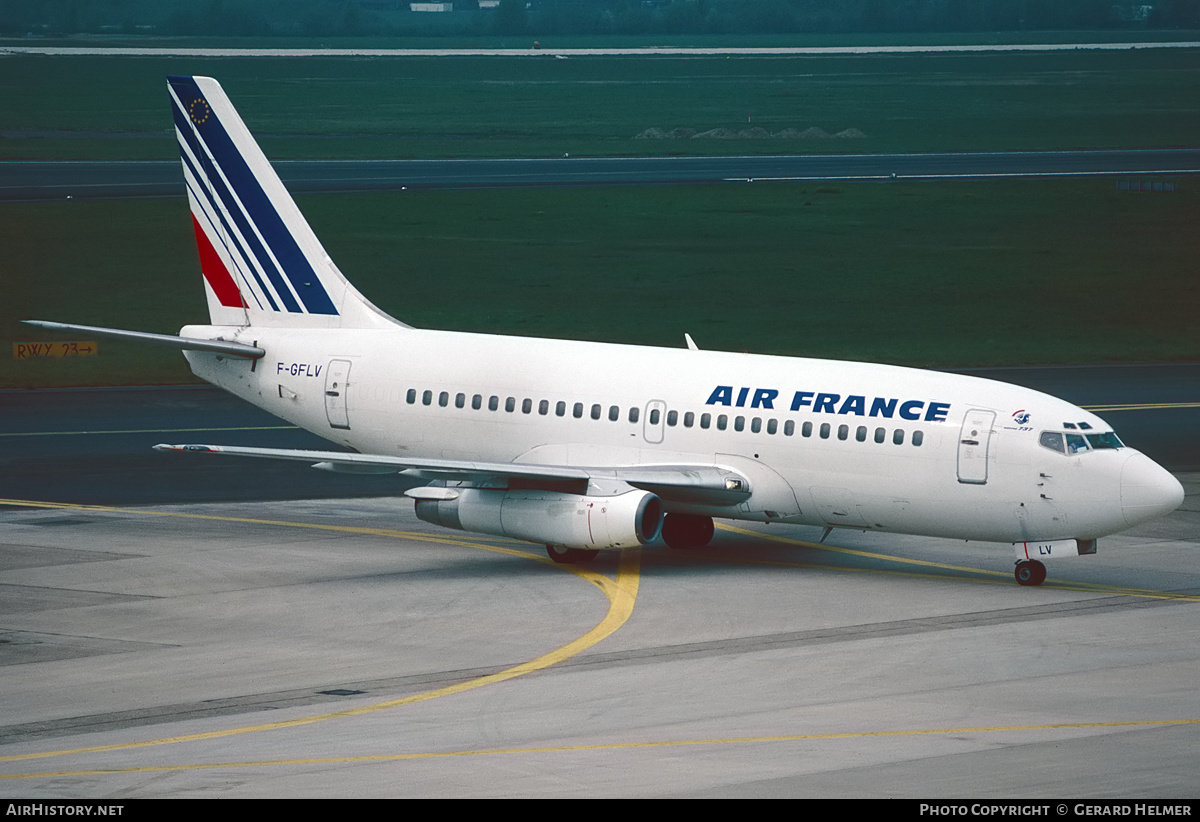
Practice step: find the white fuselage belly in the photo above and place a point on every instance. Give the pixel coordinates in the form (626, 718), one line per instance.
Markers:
(1025, 492)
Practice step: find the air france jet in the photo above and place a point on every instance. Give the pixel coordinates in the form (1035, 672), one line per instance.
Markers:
(584, 446)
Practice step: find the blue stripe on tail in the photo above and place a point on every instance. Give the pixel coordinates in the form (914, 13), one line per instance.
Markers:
(255, 209)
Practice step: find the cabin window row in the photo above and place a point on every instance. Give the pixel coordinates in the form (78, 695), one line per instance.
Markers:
(689, 419)
(494, 403)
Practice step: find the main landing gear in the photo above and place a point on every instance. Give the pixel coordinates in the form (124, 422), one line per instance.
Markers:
(1030, 572)
(683, 531)
(570, 556)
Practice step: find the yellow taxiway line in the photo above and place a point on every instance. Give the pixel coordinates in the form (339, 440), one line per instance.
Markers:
(612, 746)
(621, 593)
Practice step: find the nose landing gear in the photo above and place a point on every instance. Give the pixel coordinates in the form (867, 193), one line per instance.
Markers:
(1030, 572)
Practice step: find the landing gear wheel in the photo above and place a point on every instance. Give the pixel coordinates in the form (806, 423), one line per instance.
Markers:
(1030, 572)
(571, 556)
(684, 531)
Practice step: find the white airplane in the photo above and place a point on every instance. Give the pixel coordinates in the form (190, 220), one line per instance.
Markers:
(588, 446)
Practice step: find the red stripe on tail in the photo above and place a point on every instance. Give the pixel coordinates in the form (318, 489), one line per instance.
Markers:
(215, 272)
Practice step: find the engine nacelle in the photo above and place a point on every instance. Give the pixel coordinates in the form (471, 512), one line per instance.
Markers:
(568, 520)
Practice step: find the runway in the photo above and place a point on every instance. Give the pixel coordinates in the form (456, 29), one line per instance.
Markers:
(83, 180)
(175, 641)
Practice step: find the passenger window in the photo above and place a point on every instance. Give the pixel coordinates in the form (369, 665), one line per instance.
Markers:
(654, 416)
(806, 429)
(633, 414)
(789, 428)
(689, 419)
(860, 433)
(477, 402)
(560, 409)
(672, 418)
(460, 400)
(722, 422)
(824, 430)
(880, 435)
(526, 405)
(1052, 440)
(493, 402)
(898, 436)
(510, 404)
(596, 411)
(772, 425)
(705, 420)
(577, 410)
(739, 423)
(755, 425)
(843, 432)
(427, 398)
(412, 396)
(614, 413)
(918, 437)
(544, 407)
(444, 399)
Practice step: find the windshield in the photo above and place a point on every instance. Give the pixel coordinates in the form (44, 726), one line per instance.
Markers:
(1068, 443)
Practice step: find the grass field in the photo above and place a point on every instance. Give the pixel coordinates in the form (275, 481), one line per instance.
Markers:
(918, 273)
(938, 274)
(112, 107)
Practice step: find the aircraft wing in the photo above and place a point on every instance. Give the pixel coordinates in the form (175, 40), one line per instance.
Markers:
(691, 483)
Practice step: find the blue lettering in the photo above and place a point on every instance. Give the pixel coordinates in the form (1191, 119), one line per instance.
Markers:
(764, 398)
(721, 395)
(801, 398)
(825, 402)
(741, 403)
(883, 408)
(937, 411)
(278, 368)
(911, 410)
(854, 404)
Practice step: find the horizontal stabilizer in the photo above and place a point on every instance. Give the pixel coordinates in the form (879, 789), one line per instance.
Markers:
(231, 349)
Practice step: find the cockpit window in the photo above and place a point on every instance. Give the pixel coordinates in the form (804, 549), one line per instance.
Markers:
(1054, 441)
(1068, 425)
(1085, 426)
(1105, 440)
(1068, 443)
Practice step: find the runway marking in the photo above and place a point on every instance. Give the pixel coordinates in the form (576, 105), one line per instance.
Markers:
(150, 431)
(621, 593)
(611, 746)
(1088, 587)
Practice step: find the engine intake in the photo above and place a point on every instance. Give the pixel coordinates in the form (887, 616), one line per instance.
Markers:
(549, 517)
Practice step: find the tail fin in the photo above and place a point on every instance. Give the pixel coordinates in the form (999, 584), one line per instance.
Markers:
(261, 262)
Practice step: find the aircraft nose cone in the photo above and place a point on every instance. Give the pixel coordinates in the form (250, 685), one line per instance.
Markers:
(1147, 490)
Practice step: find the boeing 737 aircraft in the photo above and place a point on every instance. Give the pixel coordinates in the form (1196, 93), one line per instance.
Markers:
(587, 446)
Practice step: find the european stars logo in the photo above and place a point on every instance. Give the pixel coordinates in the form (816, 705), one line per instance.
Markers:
(199, 111)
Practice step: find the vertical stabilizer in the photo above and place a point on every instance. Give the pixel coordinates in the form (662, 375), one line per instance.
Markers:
(261, 262)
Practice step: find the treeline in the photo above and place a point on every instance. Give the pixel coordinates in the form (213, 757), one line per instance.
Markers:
(581, 17)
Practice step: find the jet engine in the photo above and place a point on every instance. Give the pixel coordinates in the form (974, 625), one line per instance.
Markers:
(549, 517)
